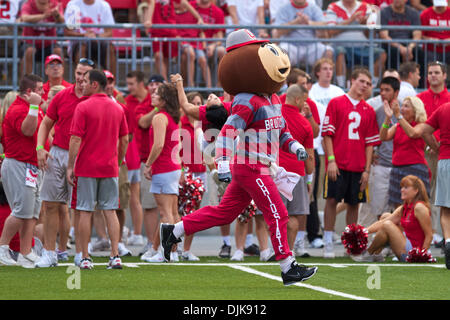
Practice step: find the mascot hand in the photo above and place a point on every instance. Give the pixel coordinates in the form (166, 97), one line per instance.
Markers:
(223, 171)
(302, 155)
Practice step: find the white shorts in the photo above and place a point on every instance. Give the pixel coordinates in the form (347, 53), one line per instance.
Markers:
(55, 187)
(166, 183)
(90, 194)
(134, 176)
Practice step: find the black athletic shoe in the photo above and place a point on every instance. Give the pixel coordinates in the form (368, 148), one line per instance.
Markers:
(225, 251)
(168, 239)
(252, 250)
(447, 254)
(297, 273)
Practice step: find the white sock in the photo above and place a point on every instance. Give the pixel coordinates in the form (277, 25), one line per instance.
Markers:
(178, 231)
(248, 240)
(447, 240)
(328, 236)
(226, 240)
(300, 235)
(285, 264)
(340, 81)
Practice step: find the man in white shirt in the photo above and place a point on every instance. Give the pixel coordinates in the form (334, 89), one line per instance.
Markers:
(247, 13)
(410, 77)
(91, 12)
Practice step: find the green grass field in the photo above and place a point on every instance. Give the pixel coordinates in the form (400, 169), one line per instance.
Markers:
(216, 279)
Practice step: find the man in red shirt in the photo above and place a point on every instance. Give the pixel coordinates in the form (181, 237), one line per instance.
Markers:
(300, 128)
(20, 175)
(350, 132)
(436, 16)
(55, 192)
(40, 11)
(54, 70)
(436, 95)
(95, 175)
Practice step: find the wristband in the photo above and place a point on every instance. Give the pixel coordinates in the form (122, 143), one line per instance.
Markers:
(34, 110)
(386, 126)
(39, 148)
(120, 162)
(331, 158)
(156, 109)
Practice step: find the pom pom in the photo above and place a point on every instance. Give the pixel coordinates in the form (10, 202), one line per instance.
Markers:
(190, 194)
(419, 255)
(248, 213)
(354, 238)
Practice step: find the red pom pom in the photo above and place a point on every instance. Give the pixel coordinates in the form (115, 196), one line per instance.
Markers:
(354, 238)
(419, 255)
(190, 194)
(248, 212)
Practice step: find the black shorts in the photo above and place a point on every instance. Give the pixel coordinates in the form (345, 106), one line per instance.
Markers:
(345, 187)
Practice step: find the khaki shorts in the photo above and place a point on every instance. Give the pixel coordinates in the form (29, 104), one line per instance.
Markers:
(124, 187)
(147, 199)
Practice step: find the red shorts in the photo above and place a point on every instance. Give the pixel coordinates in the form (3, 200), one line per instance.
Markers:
(169, 48)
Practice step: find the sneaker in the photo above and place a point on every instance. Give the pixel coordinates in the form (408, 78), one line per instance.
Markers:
(252, 250)
(174, 257)
(367, 257)
(146, 248)
(225, 251)
(267, 255)
(317, 243)
(300, 250)
(167, 239)
(447, 254)
(26, 261)
(123, 251)
(63, 256)
(101, 245)
(5, 257)
(189, 256)
(158, 257)
(148, 254)
(297, 273)
(135, 240)
(47, 260)
(328, 251)
(77, 259)
(115, 263)
(86, 263)
(238, 256)
(38, 247)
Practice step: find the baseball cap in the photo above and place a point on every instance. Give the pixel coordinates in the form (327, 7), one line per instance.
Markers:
(53, 57)
(440, 3)
(156, 78)
(241, 37)
(108, 74)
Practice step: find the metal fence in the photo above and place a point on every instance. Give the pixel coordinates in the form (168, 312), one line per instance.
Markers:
(131, 49)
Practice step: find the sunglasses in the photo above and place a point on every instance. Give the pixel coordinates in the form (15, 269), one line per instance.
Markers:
(87, 61)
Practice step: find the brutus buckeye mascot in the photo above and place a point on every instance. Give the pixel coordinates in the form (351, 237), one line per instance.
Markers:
(253, 71)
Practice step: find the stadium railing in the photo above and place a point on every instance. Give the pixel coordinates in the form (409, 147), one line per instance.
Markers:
(135, 51)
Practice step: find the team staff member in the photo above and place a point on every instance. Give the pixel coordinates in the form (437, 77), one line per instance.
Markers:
(350, 125)
(20, 174)
(96, 174)
(55, 192)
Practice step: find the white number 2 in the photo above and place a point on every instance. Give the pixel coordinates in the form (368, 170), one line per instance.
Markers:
(355, 121)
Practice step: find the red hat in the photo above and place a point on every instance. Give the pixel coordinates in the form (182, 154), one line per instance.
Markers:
(53, 57)
(108, 74)
(241, 37)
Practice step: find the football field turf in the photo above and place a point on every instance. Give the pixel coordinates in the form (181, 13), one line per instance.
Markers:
(215, 279)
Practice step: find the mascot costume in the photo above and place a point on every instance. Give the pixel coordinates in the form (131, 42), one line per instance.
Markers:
(253, 71)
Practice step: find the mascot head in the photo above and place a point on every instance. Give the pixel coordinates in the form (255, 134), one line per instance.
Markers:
(251, 65)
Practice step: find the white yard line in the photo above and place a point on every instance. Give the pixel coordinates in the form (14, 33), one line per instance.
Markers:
(299, 284)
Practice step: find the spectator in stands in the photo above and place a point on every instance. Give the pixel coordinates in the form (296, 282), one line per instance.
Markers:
(91, 12)
(247, 13)
(352, 12)
(163, 12)
(410, 77)
(436, 16)
(350, 124)
(409, 226)
(212, 14)
(54, 70)
(39, 11)
(398, 13)
(408, 155)
(192, 52)
(302, 12)
(436, 95)
(421, 5)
